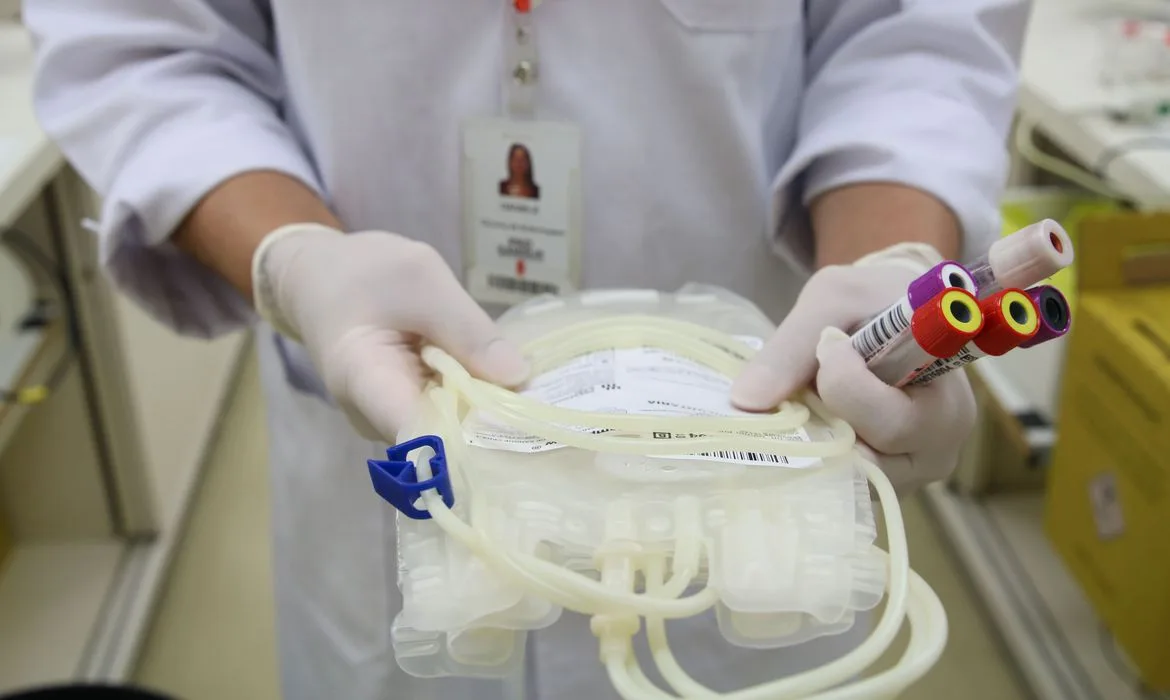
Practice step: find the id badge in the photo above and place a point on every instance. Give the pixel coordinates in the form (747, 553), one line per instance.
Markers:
(521, 209)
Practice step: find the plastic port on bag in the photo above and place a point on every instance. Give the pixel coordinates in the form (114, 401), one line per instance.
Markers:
(395, 479)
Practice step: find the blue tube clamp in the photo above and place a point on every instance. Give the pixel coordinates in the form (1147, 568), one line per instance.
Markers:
(396, 480)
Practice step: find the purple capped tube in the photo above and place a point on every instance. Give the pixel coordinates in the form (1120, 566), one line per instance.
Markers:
(1055, 314)
(888, 325)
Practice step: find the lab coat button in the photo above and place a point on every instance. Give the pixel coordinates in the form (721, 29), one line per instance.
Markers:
(524, 72)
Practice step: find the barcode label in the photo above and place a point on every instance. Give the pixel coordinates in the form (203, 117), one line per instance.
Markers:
(934, 371)
(881, 330)
(748, 457)
(942, 366)
(929, 374)
(524, 286)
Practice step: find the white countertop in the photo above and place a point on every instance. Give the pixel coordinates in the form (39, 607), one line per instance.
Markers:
(28, 159)
(1060, 89)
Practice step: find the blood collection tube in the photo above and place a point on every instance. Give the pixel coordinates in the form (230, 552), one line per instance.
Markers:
(894, 322)
(1055, 315)
(1026, 257)
(1010, 318)
(939, 328)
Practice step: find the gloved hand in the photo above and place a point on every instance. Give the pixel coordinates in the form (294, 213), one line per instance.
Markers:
(362, 304)
(915, 433)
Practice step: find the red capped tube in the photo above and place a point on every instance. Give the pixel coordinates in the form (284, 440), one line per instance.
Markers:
(939, 328)
(1010, 318)
(945, 323)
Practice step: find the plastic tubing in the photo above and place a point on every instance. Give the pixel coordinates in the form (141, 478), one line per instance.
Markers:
(909, 596)
(509, 565)
(688, 340)
(586, 595)
(688, 553)
(664, 660)
(928, 623)
(927, 620)
(561, 586)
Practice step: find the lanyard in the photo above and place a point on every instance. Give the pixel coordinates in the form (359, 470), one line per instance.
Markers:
(521, 64)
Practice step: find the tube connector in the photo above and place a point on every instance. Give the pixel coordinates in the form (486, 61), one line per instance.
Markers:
(396, 478)
(615, 631)
(617, 559)
(622, 544)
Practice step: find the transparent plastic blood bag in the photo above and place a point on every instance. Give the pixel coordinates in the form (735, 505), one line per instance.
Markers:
(618, 482)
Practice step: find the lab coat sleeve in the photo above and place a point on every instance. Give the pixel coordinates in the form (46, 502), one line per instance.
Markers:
(914, 92)
(155, 104)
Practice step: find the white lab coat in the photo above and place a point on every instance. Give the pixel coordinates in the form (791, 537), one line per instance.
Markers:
(707, 124)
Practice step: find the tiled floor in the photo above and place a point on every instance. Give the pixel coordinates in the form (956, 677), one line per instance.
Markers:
(213, 636)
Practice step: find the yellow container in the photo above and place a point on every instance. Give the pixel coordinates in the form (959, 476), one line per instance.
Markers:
(5, 541)
(1108, 494)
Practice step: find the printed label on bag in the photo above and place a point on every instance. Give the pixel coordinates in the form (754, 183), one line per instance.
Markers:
(635, 381)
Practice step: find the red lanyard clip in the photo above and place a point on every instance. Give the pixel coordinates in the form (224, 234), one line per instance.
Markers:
(522, 6)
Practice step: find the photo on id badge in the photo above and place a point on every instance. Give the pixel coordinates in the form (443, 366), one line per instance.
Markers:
(521, 209)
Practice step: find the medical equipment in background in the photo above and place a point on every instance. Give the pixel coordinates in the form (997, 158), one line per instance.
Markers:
(1093, 178)
(623, 461)
(1010, 318)
(1141, 110)
(1136, 51)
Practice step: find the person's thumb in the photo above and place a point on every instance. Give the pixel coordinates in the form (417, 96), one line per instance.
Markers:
(375, 379)
(460, 327)
(786, 363)
(499, 361)
(842, 377)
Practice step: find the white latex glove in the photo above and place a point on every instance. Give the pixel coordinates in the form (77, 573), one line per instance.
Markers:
(914, 432)
(362, 303)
